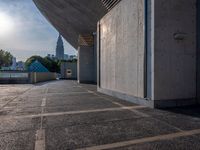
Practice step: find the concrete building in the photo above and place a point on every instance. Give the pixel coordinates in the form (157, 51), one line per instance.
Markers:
(66, 57)
(20, 65)
(68, 70)
(144, 51)
(51, 56)
(14, 63)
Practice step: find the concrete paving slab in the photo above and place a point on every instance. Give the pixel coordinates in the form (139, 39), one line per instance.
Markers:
(89, 118)
(183, 143)
(8, 125)
(77, 100)
(179, 120)
(80, 136)
(17, 140)
(90, 106)
(75, 115)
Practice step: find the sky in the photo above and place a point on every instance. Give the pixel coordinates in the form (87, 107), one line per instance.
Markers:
(25, 32)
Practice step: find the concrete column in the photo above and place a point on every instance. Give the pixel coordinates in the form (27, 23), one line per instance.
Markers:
(98, 56)
(174, 52)
(86, 60)
(198, 51)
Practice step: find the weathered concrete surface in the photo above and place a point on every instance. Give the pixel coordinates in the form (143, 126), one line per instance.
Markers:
(72, 18)
(175, 59)
(87, 64)
(36, 77)
(122, 49)
(68, 65)
(66, 115)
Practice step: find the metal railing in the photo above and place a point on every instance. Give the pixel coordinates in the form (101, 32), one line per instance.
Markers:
(13, 74)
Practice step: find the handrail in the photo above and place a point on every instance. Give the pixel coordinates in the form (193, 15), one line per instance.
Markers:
(4, 75)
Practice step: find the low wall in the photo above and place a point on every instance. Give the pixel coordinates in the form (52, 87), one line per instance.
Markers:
(14, 80)
(36, 77)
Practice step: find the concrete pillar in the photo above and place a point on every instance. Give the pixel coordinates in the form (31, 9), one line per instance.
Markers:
(198, 51)
(86, 60)
(174, 61)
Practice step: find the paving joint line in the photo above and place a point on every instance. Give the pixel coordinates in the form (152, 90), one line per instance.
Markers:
(135, 111)
(144, 140)
(119, 104)
(40, 143)
(74, 112)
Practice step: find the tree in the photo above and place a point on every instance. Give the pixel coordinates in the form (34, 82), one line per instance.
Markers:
(5, 58)
(50, 64)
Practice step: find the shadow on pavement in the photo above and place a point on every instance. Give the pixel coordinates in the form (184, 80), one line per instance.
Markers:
(193, 111)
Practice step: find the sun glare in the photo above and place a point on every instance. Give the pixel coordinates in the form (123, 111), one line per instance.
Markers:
(6, 24)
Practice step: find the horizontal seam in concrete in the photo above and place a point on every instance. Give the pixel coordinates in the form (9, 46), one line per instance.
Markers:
(68, 93)
(143, 140)
(121, 105)
(75, 112)
(135, 111)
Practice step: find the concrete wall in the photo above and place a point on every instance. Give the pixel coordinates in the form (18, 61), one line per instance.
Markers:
(122, 49)
(69, 65)
(174, 58)
(36, 77)
(86, 65)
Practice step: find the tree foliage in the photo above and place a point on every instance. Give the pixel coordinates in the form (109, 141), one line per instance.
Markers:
(5, 59)
(51, 65)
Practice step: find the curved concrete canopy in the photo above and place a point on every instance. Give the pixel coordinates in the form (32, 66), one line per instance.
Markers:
(72, 17)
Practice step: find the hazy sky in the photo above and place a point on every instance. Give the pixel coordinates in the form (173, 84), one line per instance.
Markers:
(25, 32)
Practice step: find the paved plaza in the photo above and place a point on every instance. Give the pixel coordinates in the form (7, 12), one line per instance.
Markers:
(65, 115)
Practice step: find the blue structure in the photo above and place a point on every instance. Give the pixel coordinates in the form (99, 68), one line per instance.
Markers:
(36, 66)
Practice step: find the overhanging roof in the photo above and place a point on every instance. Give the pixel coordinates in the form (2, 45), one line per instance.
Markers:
(72, 17)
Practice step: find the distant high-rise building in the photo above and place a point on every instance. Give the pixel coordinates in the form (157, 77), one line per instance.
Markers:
(20, 65)
(66, 57)
(14, 63)
(60, 48)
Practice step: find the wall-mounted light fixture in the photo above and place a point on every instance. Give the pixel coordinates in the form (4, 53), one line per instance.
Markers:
(180, 36)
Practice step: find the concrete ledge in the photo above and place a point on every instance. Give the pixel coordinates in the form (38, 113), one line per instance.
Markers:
(130, 98)
(68, 78)
(86, 82)
(149, 103)
(36, 77)
(174, 103)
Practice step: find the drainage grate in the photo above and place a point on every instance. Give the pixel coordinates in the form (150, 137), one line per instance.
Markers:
(109, 4)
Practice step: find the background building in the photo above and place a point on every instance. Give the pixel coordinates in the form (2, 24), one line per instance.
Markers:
(68, 70)
(36, 66)
(20, 65)
(60, 48)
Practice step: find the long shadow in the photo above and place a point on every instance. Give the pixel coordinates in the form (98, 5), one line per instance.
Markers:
(193, 111)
